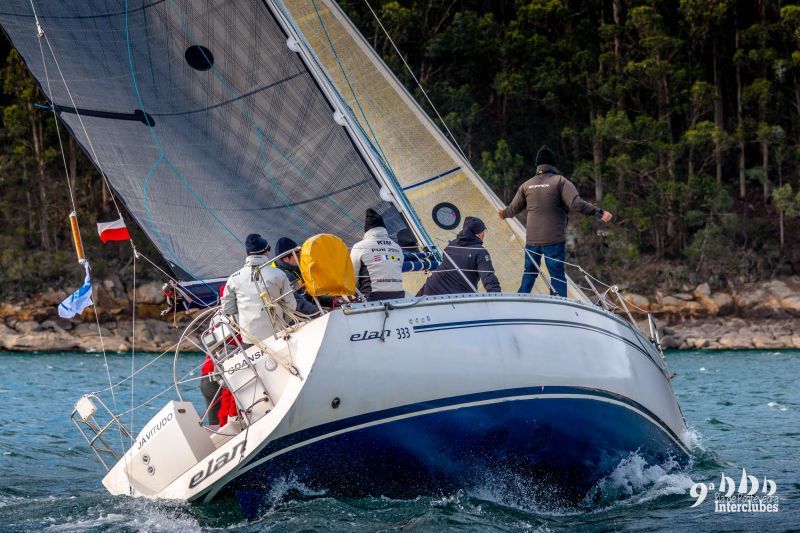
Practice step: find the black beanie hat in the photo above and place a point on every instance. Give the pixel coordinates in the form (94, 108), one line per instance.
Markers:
(255, 244)
(474, 225)
(545, 156)
(284, 244)
(373, 220)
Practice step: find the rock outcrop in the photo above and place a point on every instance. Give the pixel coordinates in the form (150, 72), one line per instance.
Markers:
(775, 299)
(34, 325)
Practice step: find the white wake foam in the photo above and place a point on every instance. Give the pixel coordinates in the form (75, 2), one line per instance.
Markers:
(635, 481)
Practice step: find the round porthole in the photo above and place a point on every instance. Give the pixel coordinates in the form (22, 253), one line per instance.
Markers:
(446, 215)
(199, 57)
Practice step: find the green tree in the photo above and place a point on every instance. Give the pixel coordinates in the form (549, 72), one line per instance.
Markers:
(502, 169)
(26, 126)
(787, 204)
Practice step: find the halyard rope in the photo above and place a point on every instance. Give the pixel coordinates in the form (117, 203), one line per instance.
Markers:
(416, 80)
(42, 35)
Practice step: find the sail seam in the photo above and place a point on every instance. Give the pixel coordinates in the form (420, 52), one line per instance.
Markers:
(434, 178)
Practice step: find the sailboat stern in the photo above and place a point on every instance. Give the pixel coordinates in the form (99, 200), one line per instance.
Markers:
(172, 442)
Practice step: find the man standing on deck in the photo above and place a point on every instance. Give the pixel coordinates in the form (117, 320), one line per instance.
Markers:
(257, 318)
(548, 198)
(465, 261)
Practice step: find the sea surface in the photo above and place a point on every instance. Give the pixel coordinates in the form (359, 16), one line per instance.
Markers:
(743, 409)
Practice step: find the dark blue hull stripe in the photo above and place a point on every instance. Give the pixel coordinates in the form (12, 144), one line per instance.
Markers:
(529, 321)
(282, 444)
(465, 399)
(326, 440)
(423, 182)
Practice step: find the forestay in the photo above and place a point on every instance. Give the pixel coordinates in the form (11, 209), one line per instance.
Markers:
(206, 124)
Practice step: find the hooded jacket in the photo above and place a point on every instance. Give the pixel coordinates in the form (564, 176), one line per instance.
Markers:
(304, 304)
(378, 264)
(548, 197)
(471, 257)
(243, 297)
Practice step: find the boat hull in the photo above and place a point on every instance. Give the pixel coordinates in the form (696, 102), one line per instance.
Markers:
(432, 395)
(557, 441)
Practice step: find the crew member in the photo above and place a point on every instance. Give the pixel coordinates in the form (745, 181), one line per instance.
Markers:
(548, 197)
(465, 261)
(288, 264)
(377, 261)
(220, 403)
(257, 318)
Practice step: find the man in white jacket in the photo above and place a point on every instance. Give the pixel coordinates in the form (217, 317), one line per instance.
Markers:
(243, 293)
(377, 261)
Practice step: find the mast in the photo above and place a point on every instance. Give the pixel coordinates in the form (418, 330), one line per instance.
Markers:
(343, 116)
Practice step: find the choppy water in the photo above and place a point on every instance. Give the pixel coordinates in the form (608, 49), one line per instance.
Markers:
(743, 408)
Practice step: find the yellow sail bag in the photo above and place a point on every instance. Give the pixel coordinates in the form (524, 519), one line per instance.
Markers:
(326, 267)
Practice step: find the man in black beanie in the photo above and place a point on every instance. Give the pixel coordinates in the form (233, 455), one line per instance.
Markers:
(244, 288)
(547, 197)
(377, 261)
(289, 266)
(465, 262)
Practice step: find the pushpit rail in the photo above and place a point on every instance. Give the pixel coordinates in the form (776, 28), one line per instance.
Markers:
(93, 430)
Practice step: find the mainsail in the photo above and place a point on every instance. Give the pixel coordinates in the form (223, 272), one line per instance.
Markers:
(207, 125)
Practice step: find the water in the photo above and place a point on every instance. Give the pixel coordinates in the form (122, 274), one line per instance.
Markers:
(743, 409)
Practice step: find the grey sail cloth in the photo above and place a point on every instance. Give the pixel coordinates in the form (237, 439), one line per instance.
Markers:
(202, 145)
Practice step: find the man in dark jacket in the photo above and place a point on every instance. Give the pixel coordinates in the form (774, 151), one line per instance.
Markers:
(472, 262)
(289, 266)
(548, 197)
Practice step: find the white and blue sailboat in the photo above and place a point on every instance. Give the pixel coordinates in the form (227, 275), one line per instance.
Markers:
(214, 119)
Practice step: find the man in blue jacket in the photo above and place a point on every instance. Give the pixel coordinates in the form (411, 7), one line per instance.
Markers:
(465, 261)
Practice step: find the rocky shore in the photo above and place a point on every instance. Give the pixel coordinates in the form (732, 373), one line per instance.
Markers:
(762, 315)
(33, 325)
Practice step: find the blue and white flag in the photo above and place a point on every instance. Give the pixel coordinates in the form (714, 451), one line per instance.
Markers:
(79, 300)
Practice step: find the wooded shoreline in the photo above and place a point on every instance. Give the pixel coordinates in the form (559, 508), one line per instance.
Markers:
(681, 118)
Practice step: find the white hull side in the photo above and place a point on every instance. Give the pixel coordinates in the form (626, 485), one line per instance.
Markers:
(443, 347)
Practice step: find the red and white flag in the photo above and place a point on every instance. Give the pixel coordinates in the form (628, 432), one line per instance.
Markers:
(113, 231)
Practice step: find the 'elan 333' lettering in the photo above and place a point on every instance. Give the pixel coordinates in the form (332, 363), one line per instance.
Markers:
(213, 465)
(369, 335)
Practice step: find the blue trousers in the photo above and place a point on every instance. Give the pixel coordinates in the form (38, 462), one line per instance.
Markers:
(553, 258)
